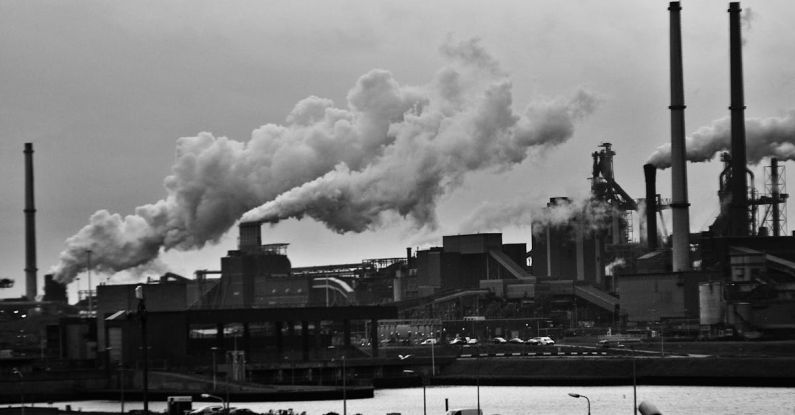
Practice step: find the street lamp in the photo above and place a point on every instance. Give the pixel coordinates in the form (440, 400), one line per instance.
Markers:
(422, 380)
(21, 391)
(139, 294)
(344, 391)
(220, 399)
(577, 395)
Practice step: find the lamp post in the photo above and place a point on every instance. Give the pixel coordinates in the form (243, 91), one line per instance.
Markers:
(21, 391)
(422, 380)
(576, 395)
(220, 399)
(634, 385)
(344, 391)
(139, 294)
(214, 349)
(121, 384)
(477, 376)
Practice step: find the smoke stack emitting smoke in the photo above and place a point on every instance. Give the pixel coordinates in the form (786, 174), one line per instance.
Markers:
(393, 149)
(765, 137)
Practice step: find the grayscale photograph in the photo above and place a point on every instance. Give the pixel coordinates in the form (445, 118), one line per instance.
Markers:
(350, 207)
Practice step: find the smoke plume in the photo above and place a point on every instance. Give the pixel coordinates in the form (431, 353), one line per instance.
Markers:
(611, 268)
(392, 148)
(493, 216)
(765, 137)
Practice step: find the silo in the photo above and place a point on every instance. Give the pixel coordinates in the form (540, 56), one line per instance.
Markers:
(710, 303)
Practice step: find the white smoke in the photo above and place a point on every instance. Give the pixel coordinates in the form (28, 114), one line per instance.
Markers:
(462, 125)
(611, 267)
(495, 216)
(765, 137)
(393, 148)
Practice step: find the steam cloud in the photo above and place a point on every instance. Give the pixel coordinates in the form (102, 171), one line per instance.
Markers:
(765, 137)
(392, 149)
(593, 214)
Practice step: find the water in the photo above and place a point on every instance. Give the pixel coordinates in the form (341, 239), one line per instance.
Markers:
(523, 400)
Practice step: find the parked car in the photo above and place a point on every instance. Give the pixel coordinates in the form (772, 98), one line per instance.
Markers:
(533, 341)
(208, 410)
(499, 340)
(458, 340)
(430, 341)
(609, 343)
(472, 340)
(543, 341)
(516, 340)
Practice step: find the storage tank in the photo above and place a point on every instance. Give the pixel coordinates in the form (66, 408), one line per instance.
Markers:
(710, 303)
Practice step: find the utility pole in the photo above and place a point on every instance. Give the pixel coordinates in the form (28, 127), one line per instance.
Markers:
(139, 294)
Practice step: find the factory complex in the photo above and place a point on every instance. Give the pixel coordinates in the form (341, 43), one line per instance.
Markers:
(603, 265)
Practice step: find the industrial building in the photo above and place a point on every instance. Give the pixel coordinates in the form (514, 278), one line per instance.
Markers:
(588, 267)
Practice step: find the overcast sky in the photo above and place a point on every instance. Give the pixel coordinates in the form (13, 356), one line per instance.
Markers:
(105, 89)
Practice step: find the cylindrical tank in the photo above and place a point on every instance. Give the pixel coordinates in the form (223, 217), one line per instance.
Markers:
(397, 287)
(710, 303)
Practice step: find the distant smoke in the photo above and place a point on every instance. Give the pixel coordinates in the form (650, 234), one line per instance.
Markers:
(765, 137)
(593, 214)
(746, 19)
(392, 149)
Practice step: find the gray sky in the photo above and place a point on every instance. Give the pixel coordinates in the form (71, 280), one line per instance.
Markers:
(105, 89)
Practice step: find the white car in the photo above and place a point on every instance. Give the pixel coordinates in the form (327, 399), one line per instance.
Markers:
(429, 341)
(208, 410)
(499, 340)
(472, 340)
(516, 340)
(545, 340)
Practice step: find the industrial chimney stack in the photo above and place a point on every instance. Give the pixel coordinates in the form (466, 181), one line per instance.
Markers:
(738, 208)
(30, 227)
(680, 206)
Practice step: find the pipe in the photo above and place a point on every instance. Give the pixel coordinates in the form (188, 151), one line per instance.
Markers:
(30, 227)
(679, 204)
(650, 172)
(739, 186)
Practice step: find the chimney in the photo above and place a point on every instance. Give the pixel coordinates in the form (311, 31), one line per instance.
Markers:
(30, 227)
(679, 204)
(650, 172)
(250, 236)
(739, 185)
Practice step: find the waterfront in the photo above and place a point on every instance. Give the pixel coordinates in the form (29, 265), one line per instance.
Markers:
(521, 400)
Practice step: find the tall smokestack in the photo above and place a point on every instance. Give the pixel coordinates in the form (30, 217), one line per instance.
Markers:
(30, 227)
(679, 205)
(650, 172)
(739, 186)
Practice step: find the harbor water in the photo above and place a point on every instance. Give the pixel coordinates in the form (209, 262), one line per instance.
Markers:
(523, 400)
